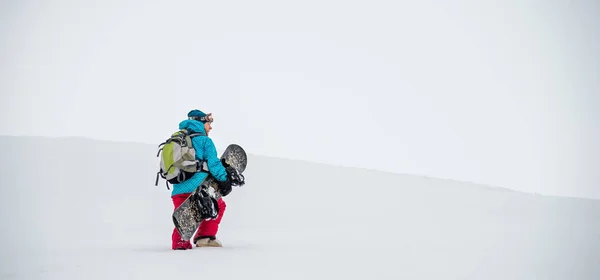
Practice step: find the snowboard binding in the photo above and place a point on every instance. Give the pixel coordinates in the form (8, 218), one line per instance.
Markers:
(235, 177)
(207, 205)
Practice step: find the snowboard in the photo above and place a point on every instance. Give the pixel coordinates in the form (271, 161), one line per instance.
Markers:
(202, 203)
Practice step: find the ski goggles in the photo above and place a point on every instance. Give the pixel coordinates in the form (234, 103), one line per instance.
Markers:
(208, 118)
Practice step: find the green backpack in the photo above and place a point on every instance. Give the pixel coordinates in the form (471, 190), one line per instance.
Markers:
(178, 158)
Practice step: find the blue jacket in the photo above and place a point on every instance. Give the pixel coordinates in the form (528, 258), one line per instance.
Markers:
(205, 150)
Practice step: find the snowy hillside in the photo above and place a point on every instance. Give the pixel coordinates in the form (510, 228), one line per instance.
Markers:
(73, 208)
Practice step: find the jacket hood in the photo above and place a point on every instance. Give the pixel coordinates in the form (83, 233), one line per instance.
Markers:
(193, 126)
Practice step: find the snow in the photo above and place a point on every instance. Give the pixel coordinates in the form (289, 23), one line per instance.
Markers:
(75, 208)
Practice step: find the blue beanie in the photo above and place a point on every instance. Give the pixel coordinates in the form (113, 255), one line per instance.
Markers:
(196, 114)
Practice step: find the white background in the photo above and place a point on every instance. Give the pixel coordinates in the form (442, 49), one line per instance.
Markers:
(497, 93)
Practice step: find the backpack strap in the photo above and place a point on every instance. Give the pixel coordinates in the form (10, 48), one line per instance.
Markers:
(158, 175)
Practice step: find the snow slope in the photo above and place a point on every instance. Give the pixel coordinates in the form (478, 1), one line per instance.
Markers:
(104, 219)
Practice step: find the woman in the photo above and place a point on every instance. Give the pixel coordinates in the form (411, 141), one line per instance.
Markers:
(206, 236)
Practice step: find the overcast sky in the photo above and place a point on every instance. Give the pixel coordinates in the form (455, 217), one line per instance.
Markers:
(503, 93)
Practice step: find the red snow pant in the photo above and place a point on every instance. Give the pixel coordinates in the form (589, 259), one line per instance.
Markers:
(206, 228)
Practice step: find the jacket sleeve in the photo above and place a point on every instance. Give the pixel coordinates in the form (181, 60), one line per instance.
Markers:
(213, 162)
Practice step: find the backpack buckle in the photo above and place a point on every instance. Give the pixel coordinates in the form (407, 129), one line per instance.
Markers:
(201, 165)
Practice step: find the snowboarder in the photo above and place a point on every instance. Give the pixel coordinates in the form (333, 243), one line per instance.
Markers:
(199, 122)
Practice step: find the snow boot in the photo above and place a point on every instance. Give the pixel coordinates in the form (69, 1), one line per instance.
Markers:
(182, 245)
(208, 241)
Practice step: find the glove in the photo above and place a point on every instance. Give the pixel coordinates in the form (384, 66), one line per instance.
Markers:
(224, 187)
(224, 163)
